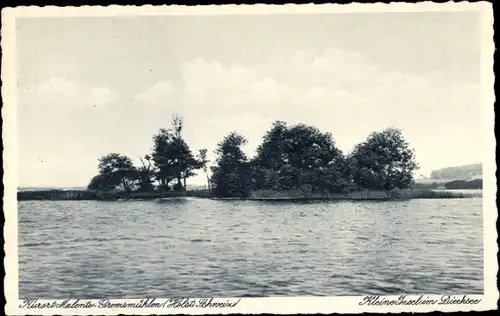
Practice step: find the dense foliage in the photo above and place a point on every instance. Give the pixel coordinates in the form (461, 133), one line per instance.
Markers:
(290, 158)
(383, 162)
(173, 157)
(114, 170)
(231, 175)
(302, 158)
(168, 167)
(299, 157)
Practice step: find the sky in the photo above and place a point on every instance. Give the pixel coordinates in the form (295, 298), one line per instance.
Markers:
(88, 86)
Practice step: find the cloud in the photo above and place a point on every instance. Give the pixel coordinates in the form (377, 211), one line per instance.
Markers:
(52, 92)
(210, 83)
(160, 93)
(338, 91)
(102, 95)
(306, 85)
(61, 93)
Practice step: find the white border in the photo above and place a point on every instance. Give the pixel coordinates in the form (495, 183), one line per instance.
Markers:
(248, 305)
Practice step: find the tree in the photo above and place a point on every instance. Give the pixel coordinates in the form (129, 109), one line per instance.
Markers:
(313, 153)
(187, 162)
(116, 169)
(102, 183)
(383, 162)
(299, 156)
(203, 164)
(232, 174)
(163, 158)
(271, 156)
(271, 153)
(172, 156)
(145, 175)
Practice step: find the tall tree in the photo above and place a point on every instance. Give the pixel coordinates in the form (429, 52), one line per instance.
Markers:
(231, 175)
(186, 163)
(172, 156)
(384, 161)
(145, 174)
(271, 153)
(271, 156)
(163, 157)
(177, 125)
(203, 164)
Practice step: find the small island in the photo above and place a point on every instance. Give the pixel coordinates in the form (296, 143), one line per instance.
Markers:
(293, 162)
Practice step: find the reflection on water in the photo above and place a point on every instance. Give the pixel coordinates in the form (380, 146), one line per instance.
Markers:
(202, 248)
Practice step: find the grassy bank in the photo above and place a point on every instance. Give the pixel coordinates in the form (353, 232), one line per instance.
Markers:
(153, 195)
(78, 195)
(56, 195)
(405, 194)
(265, 195)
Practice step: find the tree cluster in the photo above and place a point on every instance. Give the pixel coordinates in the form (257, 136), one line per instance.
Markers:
(301, 157)
(168, 166)
(297, 157)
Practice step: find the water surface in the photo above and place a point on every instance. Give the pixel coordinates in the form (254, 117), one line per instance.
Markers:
(206, 248)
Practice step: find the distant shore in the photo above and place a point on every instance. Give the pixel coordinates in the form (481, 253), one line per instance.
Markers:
(262, 195)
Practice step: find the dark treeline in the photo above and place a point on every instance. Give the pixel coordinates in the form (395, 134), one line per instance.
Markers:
(465, 185)
(476, 184)
(301, 157)
(297, 157)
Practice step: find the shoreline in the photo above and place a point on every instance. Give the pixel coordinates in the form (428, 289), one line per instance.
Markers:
(269, 196)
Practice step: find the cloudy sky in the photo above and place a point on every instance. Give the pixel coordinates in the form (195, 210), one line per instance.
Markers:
(90, 86)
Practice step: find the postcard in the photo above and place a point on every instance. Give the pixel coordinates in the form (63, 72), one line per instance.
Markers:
(249, 159)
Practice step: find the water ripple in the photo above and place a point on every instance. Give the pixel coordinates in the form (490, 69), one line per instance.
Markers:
(198, 247)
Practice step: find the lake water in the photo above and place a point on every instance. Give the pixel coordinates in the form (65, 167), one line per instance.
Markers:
(208, 248)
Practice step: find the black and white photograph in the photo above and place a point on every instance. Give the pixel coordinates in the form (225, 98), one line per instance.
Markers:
(218, 159)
